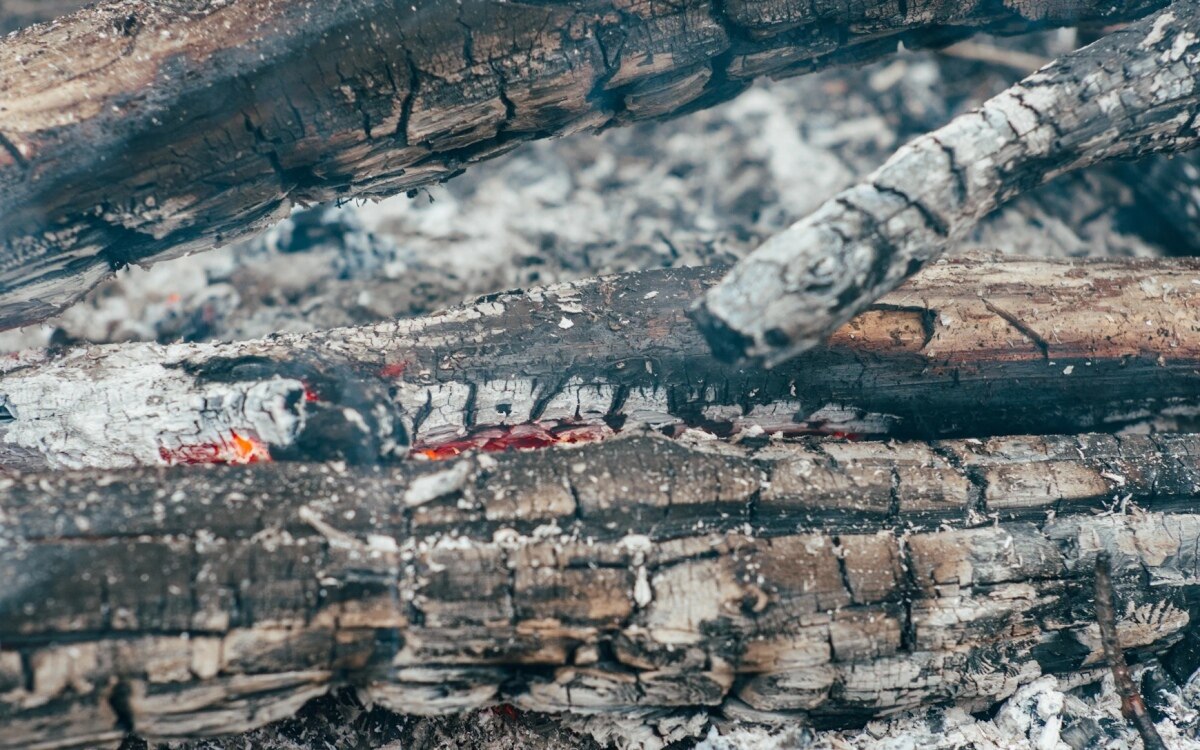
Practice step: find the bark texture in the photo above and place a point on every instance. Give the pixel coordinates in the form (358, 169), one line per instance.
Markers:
(1044, 346)
(830, 582)
(137, 130)
(1131, 93)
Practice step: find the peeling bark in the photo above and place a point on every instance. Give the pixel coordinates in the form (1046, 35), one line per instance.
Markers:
(970, 347)
(1133, 92)
(829, 582)
(173, 127)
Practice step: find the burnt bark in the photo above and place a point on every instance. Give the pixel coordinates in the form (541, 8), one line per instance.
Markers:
(177, 126)
(827, 582)
(973, 347)
(1133, 92)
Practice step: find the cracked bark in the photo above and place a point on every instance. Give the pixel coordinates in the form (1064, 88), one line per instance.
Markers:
(1047, 346)
(825, 582)
(1133, 92)
(175, 127)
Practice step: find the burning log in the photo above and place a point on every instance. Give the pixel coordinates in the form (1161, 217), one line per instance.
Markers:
(172, 127)
(826, 581)
(972, 347)
(1083, 109)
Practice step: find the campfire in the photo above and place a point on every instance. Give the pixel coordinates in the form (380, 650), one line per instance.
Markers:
(852, 410)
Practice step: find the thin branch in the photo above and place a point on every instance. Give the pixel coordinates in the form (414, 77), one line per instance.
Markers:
(1022, 62)
(1133, 705)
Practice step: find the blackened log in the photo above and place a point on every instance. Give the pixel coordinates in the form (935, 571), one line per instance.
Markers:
(140, 130)
(1132, 93)
(973, 347)
(830, 582)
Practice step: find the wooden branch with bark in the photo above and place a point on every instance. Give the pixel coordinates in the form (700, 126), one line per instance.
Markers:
(827, 582)
(1132, 93)
(1046, 346)
(134, 131)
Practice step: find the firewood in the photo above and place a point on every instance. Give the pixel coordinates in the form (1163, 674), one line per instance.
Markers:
(1083, 109)
(829, 582)
(971, 347)
(135, 130)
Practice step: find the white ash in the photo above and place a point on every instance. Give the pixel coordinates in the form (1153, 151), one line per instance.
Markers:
(1043, 715)
(67, 416)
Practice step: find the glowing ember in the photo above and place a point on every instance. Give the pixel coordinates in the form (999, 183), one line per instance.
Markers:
(238, 449)
(520, 437)
(507, 711)
(394, 370)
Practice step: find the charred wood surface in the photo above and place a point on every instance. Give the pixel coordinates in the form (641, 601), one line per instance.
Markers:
(1081, 110)
(139, 130)
(828, 581)
(969, 348)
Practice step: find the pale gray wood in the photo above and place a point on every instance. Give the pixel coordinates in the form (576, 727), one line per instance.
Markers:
(1083, 109)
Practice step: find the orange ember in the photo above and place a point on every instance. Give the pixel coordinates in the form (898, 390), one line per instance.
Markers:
(394, 370)
(238, 449)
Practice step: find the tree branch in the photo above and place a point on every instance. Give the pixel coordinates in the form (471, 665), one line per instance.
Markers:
(1134, 92)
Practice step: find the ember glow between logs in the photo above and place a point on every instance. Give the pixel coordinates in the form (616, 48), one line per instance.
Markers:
(238, 449)
(519, 437)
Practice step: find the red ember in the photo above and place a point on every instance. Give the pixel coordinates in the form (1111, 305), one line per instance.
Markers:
(519, 437)
(394, 370)
(237, 450)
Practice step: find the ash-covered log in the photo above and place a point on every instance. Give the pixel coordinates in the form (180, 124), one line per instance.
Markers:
(971, 347)
(135, 130)
(826, 582)
(1132, 93)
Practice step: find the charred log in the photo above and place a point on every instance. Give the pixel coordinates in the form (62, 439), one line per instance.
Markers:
(181, 125)
(969, 348)
(830, 581)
